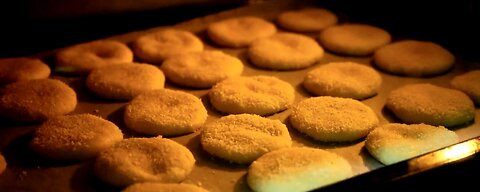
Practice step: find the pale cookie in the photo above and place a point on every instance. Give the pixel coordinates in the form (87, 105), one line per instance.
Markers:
(297, 169)
(36, 100)
(165, 112)
(354, 39)
(261, 95)
(243, 138)
(163, 187)
(136, 160)
(343, 79)
(3, 164)
(239, 31)
(201, 69)
(333, 119)
(22, 68)
(124, 82)
(469, 83)
(83, 58)
(307, 19)
(74, 137)
(431, 104)
(394, 142)
(285, 51)
(157, 46)
(414, 58)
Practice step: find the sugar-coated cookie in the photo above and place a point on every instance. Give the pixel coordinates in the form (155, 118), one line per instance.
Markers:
(468, 83)
(261, 95)
(297, 169)
(159, 45)
(136, 160)
(239, 31)
(307, 19)
(414, 58)
(334, 119)
(201, 69)
(354, 39)
(431, 104)
(285, 51)
(83, 58)
(74, 137)
(36, 100)
(165, 112)
(243, 138)
(343, 79)
(163, 187)
(124, 82)
(395, 142)
(22, 68)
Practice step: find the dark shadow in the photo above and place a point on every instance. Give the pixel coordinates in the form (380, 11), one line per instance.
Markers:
(302, 91)
(368, 160)
(84, 180)
(116, 117)
(210, 109)
(390, 116)
(241, 185)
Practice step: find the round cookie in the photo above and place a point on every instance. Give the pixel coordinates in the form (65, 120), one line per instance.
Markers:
(240, 31)
(3, 164)
(414, 58)
(165, 112)
(297, 169)
(74, 137)
(157, 46)
(243, 138)
(285, 51)
(83, 58)
(333, 119)
(124, 82)
(22, 68)
(431, 104)
(354, 39)
(163, 187)
(136, 160)
(201, 69)
(307, 19)
(36, 100)
(343, 79)
(261, 95)
(468, 83)
(395, 142)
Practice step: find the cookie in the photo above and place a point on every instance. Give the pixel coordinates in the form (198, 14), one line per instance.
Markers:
(243, 138)
(354, 39)
(307, 19)
(165, 112)
(395, 142)
(285, 51)
(431, 104)
(261, 95)
(414, 58)
(22, 68)
(201, 69)
(468, 83)
(3, 164)
(163, 187)
(333, 119)
(343, 79)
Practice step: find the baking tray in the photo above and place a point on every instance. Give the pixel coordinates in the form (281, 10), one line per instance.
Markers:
(27, 171)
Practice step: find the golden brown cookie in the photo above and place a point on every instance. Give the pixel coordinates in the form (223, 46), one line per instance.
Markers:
(74, 137)
(354, 39)
(157, 46)
(307, 19)
(395, 142)
(297, 169)
(240, 31)
(468, 83)
(124, 82)
(285, 51)
(163, 187)
(243, 138)
(201, 69)
(22, 68)
(414, 58)
(83, 58)
(3, 164)
(136, 160)
(36, 100)
(431, 104)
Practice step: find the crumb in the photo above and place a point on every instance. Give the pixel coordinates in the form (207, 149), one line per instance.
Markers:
(96, 110)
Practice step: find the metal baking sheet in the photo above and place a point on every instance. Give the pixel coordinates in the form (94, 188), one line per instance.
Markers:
(28, 172)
